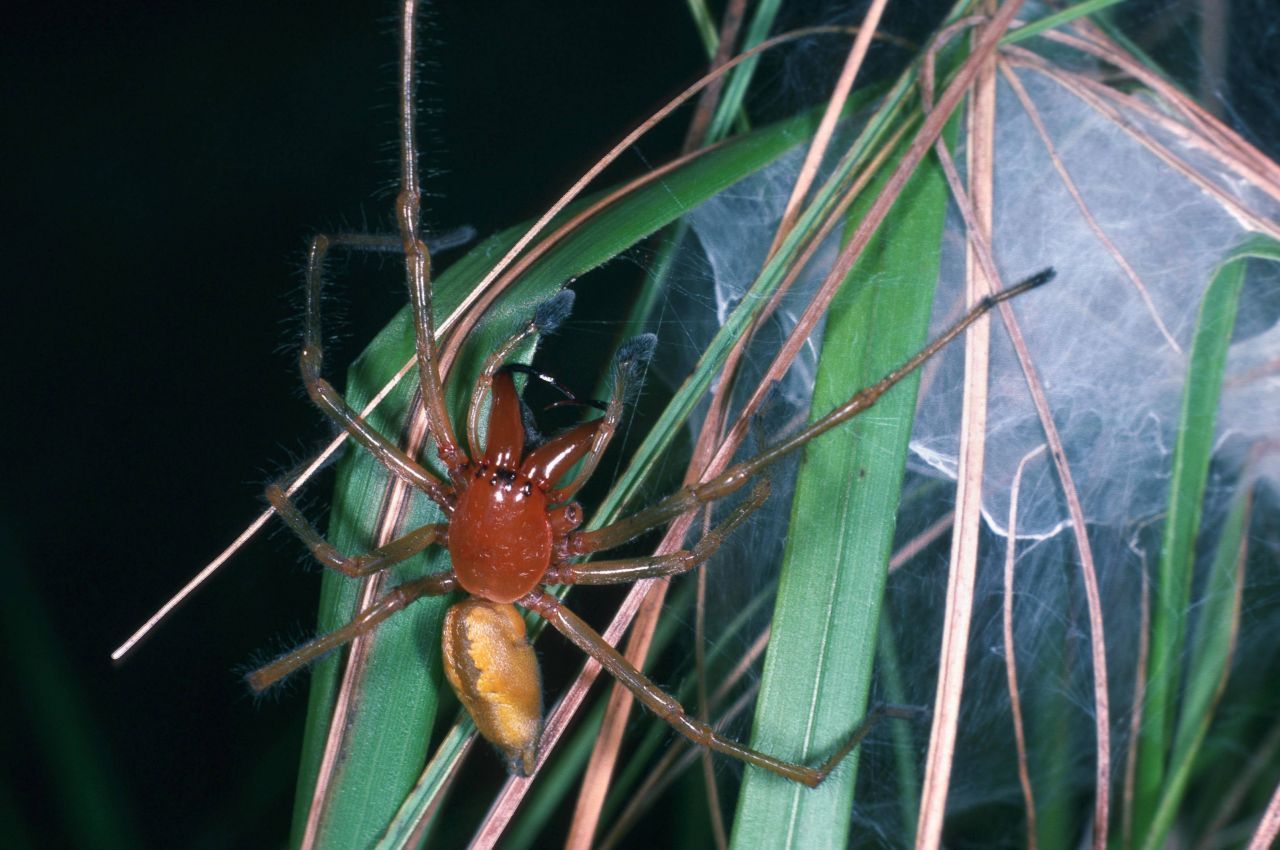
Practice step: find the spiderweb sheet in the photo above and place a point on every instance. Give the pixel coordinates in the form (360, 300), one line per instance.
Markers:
(1109, 337)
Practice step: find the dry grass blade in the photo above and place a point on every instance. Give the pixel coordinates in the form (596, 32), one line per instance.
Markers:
(1010, 650)
(844, 84)
(696, 136)
(1269, 827)
(982, 255)
(1089, 572)
(917, 544)
(595, 780)
(953, 654)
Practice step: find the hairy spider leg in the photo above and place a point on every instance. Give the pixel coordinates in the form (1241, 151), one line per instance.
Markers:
(667, 708)
(418, 266)
(733, 478)
(323, 393)
(354, 566)
(396, 599)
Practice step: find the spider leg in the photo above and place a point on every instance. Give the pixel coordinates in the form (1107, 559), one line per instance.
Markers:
(358, 565)
(396, 599)
(733, 478)
(417, 261)
(632, 569)
(669, 709)
(329, 399)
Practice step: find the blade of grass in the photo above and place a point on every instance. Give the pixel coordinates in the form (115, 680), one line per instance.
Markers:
(818, 667)
(730, 109)
(1058, 19)
(907, 774)
(1189, 476)
(976, 203)
(1010, 649)
(1211, 652)
(1269, 826)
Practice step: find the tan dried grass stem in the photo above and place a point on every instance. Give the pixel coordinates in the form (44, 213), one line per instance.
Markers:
(1010, 651)
(961, 581)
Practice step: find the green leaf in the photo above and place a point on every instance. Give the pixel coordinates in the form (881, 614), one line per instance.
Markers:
(818, 669)
(1190, 473)
(1211, 650)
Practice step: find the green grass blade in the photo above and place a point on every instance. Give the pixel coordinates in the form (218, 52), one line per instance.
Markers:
(1190, 473)
(1058, 19)
(907, 779)
(818, 668)
(388, 733)
(1218, 624)
(730, 107)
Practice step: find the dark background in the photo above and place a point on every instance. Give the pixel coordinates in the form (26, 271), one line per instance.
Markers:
(165, 168)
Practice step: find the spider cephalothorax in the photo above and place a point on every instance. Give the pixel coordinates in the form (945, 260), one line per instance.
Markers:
(507, 522)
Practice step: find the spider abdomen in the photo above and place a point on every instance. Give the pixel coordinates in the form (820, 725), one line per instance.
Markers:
(500, 536)
(492, 668)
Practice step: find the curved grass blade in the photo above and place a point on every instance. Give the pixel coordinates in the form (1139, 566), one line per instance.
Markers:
(1218, 623)
(818, 668)
(1189, 476)
(387, 733)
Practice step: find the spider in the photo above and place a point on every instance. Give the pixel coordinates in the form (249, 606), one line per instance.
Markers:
(512, 525)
